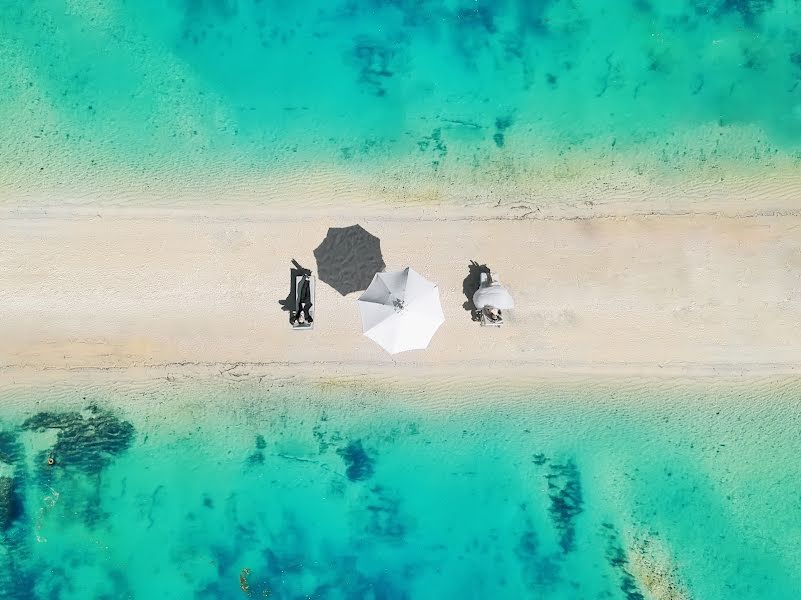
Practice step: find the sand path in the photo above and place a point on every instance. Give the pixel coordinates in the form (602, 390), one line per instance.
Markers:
(139, 287)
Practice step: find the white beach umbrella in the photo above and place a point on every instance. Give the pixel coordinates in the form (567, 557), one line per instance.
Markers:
(494, 295)
(401, 311)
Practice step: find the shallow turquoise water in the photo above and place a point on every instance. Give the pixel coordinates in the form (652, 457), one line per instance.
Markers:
(495, 90)
(556, 492)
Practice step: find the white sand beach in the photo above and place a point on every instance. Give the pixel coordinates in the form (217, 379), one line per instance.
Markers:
(146, 287)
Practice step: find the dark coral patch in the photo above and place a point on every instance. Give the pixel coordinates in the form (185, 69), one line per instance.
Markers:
(618, 561)
(501, 125)
(255, 459)
(385, 516)
(10, 449)
(358, 462)
(86, 442)
(10, 503)
(749, 10)
(532, 16)
(478, 17)
(540, 569)
(374, 61)
(324, 439)
(567, 502)
(795, 58)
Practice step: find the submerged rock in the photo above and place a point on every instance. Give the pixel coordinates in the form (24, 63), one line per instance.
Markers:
(645, 570)
(654, 571)
(359, 464)
(84, 441)
(618, 560)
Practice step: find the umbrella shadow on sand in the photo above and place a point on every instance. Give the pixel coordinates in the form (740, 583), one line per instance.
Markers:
(471, 284)
(348, 258)
(289, 303)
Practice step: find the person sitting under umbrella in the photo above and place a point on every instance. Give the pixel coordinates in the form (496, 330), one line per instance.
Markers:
(493, 314)
(489, 300)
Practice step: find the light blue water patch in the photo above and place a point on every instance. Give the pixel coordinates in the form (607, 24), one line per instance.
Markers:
(299, 492)
(504, 87)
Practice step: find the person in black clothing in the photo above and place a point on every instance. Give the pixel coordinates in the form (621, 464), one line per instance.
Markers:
(304, 302)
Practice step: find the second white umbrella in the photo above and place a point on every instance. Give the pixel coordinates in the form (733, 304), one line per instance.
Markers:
(401, 310)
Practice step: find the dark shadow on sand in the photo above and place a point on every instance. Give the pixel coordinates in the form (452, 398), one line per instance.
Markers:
(470, 286)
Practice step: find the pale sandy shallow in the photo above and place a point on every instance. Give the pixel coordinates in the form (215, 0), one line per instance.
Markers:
(151, 287)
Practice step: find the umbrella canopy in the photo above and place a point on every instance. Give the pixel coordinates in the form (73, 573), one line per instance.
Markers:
(494, 295)
(348, 257)
(401, 311)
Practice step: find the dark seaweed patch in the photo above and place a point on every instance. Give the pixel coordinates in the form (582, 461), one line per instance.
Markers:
(11, 453)
(374, 61)
(359, 464)
(287, 571)
(325, 440)
(435, 144)
(795, 58)
(255, 459)
(474, 29)
(616, 558)
(220, 9)
(749, 10)
(531, 15)
(10, 503)
(87, 443)
(541, 570)
(385, 517)
(10, 449)
(478, 17)
(658, 62)
(415, 12)
(501, 125)
(564, 490)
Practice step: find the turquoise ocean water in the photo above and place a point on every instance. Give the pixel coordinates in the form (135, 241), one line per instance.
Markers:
(486, 91)
(619, 490)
